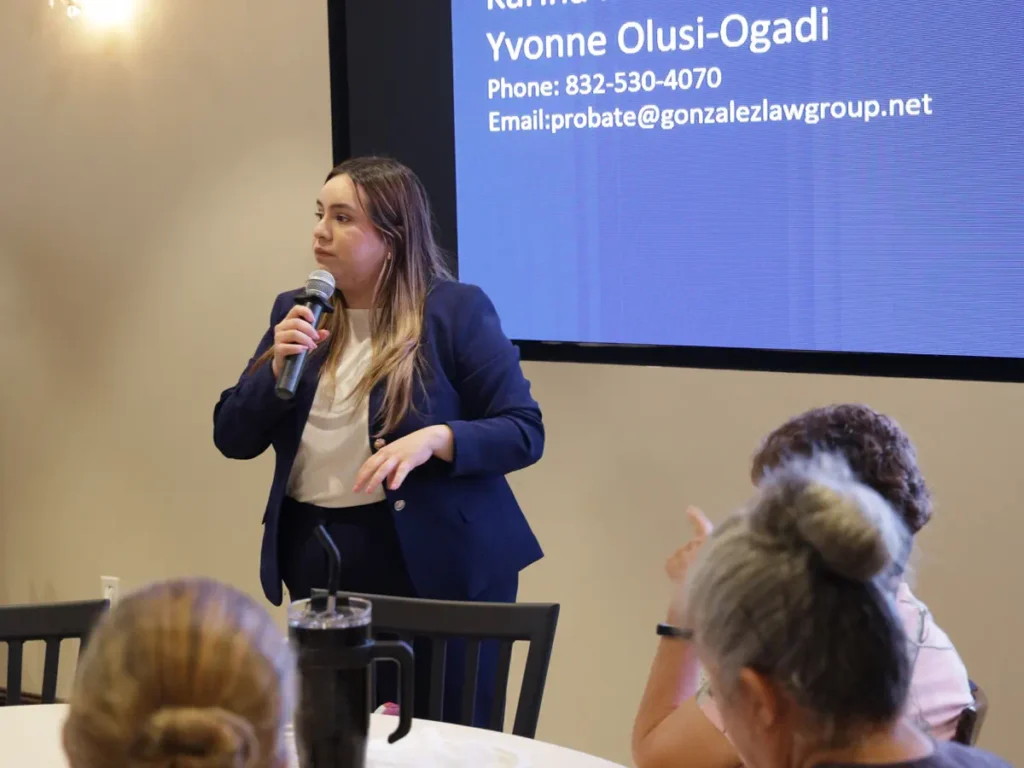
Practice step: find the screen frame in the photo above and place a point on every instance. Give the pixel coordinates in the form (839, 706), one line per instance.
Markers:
(392, 75)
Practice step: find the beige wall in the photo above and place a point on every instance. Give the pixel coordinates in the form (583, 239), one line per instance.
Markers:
(166, 187)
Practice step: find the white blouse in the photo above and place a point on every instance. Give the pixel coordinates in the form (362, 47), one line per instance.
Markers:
(336, 442)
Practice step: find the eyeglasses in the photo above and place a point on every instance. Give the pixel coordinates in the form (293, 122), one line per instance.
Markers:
(676, 633)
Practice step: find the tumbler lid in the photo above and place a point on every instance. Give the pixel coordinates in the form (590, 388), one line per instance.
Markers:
(318, 613)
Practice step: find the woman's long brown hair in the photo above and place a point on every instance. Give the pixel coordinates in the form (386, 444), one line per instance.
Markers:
(396, 203)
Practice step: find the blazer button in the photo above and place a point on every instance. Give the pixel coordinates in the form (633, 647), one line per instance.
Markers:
(399, 505)
(378, 444)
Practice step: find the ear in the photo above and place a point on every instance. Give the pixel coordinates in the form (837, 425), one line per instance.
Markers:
(765, 700)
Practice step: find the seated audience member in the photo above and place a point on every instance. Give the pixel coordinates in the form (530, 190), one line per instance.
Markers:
(880, 455)
(790, 607)
(185, 673)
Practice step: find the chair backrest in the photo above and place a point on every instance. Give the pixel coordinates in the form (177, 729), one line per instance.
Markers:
(507, 623)
(968, 727)
(51, 624)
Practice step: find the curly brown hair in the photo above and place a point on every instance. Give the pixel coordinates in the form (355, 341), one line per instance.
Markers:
(878, 451)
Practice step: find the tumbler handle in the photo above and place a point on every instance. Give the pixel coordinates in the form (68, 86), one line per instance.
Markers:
(401, 654)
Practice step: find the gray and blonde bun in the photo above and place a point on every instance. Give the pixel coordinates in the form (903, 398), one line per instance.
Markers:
(799, 587)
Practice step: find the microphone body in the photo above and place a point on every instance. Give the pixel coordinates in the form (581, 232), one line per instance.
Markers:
(317, 297)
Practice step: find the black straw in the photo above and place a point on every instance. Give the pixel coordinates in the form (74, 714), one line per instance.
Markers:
(334, 565)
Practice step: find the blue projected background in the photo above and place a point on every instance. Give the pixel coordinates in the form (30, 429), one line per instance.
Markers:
(754, 173)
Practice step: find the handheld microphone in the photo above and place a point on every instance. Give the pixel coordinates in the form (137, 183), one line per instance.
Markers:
(316, 296)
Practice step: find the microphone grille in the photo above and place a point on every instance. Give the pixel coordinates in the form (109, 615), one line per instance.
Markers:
(320, 283)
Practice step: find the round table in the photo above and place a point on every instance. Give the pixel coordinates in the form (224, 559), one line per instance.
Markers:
(31, 736)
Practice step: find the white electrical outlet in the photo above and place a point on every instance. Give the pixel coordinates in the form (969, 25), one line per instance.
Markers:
(111, 588)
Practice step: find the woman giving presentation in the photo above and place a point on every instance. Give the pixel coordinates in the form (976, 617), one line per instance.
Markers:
(409, 412)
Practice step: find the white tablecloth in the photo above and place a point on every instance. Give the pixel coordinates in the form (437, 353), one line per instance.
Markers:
(30, 738)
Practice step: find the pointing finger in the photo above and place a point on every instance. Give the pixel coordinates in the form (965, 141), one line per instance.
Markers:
(702, 527)
(366, 472)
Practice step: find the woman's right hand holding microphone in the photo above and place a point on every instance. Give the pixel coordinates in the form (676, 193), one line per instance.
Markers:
(294, 334)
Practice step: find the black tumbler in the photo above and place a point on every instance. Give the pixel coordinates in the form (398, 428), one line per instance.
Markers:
(335, 648)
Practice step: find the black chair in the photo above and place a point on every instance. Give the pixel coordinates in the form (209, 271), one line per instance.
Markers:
(52, 623)
(440, 621)
(968, 727)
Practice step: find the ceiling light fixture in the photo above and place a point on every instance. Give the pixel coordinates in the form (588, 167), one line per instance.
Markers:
(102, 13)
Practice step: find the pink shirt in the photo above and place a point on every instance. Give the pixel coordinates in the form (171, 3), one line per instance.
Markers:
(939, 689)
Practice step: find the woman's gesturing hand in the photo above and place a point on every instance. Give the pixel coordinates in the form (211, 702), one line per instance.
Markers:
(681, 560)
(395, 461)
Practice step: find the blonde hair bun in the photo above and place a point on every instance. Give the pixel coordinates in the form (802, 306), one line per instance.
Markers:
(185, 737)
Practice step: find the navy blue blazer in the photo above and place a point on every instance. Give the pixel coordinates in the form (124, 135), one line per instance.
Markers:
(458, 524)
